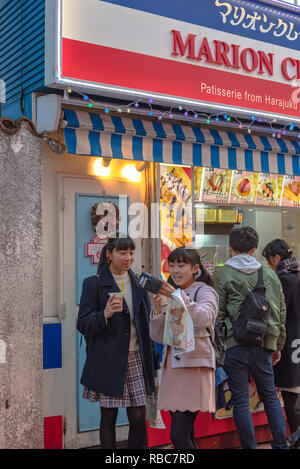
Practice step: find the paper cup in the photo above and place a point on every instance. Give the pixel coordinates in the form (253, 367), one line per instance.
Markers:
(118, 294)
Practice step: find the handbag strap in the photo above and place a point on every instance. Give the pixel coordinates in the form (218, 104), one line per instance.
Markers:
(260, 282)
(195, 298)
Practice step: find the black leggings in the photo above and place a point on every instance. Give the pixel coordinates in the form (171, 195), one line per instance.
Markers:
(182, 429)
(290, 401)
(137, 427)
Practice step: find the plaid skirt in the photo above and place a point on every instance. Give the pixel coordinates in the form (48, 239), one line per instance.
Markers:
(134, 394)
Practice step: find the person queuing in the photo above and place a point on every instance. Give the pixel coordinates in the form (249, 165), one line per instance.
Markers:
(187, 381)
(121, 358)
(287, 371)
(234, 281)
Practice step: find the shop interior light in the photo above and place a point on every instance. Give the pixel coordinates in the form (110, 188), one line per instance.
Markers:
(131, 173)
(101, 168)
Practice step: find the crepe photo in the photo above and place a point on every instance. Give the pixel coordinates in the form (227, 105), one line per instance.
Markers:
(291, 191)
(216, 185)
(244, 187)
(269, 189)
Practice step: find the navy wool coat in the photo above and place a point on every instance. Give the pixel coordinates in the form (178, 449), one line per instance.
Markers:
(287, 370)
(108, 344)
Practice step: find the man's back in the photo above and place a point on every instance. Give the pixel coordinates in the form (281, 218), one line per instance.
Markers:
(234, 281)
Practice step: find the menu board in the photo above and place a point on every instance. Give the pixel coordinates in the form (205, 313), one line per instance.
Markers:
(243, 187)
(269, 189)
(246, 188)
(291, 191)
(216, 185)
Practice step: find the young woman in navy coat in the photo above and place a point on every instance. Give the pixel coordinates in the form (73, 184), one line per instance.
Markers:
(121, 358)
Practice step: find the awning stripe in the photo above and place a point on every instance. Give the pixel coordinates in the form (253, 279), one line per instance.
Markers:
(92, 134)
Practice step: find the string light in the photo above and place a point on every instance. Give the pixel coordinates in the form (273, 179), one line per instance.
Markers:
(201, 117)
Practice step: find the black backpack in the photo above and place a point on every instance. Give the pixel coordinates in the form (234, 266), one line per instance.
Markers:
(251, 326)
(220, 339)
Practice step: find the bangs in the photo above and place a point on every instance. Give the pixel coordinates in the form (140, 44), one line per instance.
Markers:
(187, 256)
(123, 244)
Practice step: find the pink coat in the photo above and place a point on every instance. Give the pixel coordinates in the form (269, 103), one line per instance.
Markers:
(203, 313)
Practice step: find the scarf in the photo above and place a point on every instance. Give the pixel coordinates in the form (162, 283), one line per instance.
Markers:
(288, 266)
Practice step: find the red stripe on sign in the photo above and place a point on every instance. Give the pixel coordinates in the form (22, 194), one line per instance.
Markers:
(53, 432)
(99, 64)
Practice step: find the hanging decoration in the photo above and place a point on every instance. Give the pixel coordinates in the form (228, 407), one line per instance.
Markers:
(276, 128)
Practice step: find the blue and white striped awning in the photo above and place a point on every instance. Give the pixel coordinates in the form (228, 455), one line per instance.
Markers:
(92, 134)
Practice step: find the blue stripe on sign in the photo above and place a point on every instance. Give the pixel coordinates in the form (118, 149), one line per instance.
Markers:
(266, 143)
(158, 151)
(296, 146)
(139, 127)
(250, 142)
(197, 154)
(296, 167)
(71, 117)
(199, 135)
(248, 160)
(282, 145)
(214, 157)
(96, 121)
(116, 146)
(264, 159)
(71, 140)
(232, 160)
(52, 346)
(178, 132)
(216, 136)
(160, 133)
(281, 163)
(118, 123)
(177, 152)
(94, 138)
(233, 138)
(137, 148)
(191, 11)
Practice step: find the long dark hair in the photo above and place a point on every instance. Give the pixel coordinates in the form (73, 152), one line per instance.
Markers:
(190, 256)
(278, 246)
(120, 243)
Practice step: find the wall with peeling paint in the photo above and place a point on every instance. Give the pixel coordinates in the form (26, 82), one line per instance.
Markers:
(21, 379)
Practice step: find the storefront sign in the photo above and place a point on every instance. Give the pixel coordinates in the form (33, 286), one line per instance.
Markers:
(94, 248)
(234, 53)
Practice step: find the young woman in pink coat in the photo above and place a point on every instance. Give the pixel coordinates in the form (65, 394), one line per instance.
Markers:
(187, 381)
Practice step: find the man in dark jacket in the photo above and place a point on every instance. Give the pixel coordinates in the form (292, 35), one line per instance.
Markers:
(234, 282)
(287, 371)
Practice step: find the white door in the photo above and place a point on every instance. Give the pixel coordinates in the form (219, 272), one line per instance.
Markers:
(72, 188)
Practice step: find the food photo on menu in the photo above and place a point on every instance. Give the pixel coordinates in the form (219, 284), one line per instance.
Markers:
(243, 187)
(291, 191)
(216, 185)
(269, 190)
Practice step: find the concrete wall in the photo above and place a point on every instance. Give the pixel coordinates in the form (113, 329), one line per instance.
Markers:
(21, 408)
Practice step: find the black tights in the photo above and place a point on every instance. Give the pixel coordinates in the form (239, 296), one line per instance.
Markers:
(290, 401)
(137, 427)
(182, 429)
